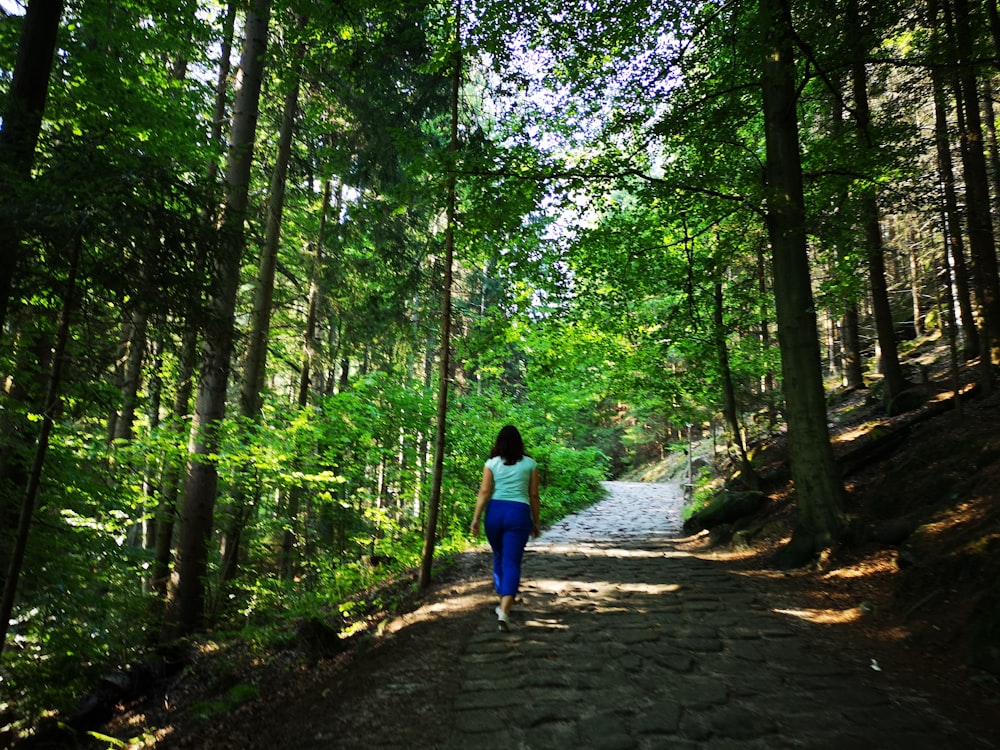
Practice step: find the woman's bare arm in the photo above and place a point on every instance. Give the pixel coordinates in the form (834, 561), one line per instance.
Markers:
(485, 493)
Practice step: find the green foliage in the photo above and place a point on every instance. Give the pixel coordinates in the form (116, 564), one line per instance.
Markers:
(83, 608)
(235, 697)
(705, 487)
(571, 478)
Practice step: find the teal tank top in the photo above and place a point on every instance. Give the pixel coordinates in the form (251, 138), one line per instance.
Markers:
(511, 482)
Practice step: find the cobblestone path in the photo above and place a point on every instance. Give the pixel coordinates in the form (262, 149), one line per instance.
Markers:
(624, 641)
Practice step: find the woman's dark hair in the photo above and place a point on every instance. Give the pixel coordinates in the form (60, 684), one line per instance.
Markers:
(509, 445)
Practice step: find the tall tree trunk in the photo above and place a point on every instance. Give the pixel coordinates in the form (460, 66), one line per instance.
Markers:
(444, 370)
(13, 573)
(170, 485)
(993, 148)
(848, 325)
(956, 245)
(19, 132)
(818, 489)
(22, 124)
(186, 599)
(892, 372)
(256, 360)
(260, 319)
(981, 240)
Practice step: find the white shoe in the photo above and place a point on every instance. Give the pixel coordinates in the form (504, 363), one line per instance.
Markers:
(503, 620)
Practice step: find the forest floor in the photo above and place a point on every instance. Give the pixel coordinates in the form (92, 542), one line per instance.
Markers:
(916, 586)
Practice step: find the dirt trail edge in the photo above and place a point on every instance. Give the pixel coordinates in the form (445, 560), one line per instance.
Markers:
(622, 640)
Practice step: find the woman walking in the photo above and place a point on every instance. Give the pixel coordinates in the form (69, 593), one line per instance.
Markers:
(509, 495)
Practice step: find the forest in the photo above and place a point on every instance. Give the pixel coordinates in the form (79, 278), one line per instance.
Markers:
(274, 272)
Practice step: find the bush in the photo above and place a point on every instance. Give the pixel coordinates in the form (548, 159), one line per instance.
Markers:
(571, 479)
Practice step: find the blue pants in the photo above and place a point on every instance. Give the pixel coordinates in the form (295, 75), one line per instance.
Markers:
(508, 526)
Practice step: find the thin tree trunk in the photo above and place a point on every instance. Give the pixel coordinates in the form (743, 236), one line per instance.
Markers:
(186, 599)
(956, 246)
(166, 509)
(993, 149)
(848, 325)
(729, 408)
(444, 370)
(981, 240)
(132, 374)
(850, 341)
(344, 379)
(948, 314)
(994, 19)
(124, 421)
(256, 360)
(834, 360)
(153, 466)
(286, 563)
(889, 366)
(41, 446)
(765, 333)
(222, 83)
(818, 489)
(916, 278)
(312, 313)
(117, 381)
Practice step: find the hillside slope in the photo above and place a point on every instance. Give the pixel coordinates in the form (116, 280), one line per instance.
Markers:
(917, 578)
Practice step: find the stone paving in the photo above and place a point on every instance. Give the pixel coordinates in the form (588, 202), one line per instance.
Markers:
(624, 641)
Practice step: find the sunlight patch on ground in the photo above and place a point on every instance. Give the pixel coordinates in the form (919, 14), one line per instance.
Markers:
(466, 597)
(775, 575)
(845, 573)
(823, 616)
(881, 563)
(553, 586)
(578, 548)
(848, 436)
(774, 536)
(948, 395)
(601, 588)
(547, 624)
(963, 515)
(609, 589)
(644, 553)
(461, 602)
(649, 588)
